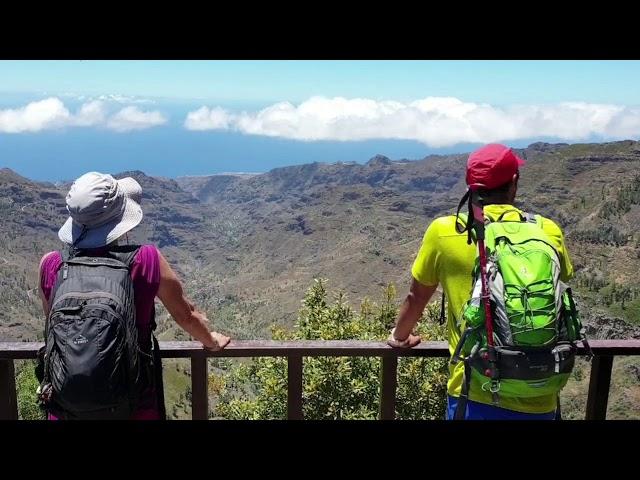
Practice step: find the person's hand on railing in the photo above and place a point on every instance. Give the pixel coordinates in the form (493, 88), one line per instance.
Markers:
(409, 315)
(218, 342)
(409, 342)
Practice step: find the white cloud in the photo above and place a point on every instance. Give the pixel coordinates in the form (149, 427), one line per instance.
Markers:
(36, 116)
(124, 99)
(111, 97)
(208, 119)
(435, 121)
(91, 113)
(132, 118)
(51, 113)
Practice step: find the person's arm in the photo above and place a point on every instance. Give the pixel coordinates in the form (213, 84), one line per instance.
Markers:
(171, 294)
(424, 282)
(410, 312)
(45, 302)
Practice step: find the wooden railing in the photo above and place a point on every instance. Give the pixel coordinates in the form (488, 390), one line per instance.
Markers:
(601, 366)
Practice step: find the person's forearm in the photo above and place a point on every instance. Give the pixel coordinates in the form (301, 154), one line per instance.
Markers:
(196, 324)
(410, 313)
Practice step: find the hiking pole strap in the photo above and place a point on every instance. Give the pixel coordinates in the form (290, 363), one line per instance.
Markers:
(461, 407)
(476, 213)
(468, 226)
(558, 410)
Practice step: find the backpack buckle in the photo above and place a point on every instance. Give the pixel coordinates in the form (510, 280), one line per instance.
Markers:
(493, 387)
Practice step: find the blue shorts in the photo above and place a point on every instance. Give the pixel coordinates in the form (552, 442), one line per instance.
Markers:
(482, 411)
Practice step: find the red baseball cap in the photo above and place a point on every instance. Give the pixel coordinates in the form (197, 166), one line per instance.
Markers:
(492, 166)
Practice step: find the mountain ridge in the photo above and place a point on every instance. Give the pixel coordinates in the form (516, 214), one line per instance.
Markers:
(262, 238)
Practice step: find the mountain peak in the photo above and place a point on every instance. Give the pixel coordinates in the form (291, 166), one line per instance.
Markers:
(379, 160)
(131, 173)
(10, 175)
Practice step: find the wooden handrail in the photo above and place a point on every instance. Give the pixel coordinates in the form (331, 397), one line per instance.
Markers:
(295, 351)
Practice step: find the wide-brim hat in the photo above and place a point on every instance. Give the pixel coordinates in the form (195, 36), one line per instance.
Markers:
(101, 210)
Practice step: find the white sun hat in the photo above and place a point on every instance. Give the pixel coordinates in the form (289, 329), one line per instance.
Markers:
(101, 210)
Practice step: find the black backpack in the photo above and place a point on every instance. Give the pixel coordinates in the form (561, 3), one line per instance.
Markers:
(91, 366)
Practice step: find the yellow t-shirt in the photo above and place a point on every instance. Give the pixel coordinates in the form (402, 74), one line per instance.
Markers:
(445, 258)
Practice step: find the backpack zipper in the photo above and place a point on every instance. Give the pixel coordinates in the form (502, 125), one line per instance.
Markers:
(87, 295)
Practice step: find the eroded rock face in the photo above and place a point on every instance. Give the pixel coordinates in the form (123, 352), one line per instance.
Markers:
(599, 326)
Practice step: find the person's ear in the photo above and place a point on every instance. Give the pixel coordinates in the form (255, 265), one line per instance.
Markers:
(514, 186)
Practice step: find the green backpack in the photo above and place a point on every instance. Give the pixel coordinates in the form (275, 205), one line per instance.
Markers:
(533, 316)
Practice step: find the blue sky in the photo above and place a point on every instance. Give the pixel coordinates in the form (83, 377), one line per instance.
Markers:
(197, 117)
(263, 81)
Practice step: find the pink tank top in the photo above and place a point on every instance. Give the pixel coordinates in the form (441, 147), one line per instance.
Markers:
(145, 274)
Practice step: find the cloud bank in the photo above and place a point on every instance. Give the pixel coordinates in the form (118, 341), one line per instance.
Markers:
(51, 113)
(433, 121)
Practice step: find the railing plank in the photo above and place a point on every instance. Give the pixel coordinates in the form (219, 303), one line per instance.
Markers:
(294, 387)
(388, 387)
(8, 397)
(599, 384)
(305, 348)
(199, 388)
(313, 348)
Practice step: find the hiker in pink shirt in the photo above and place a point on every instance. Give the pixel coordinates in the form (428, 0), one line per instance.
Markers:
(102, 210)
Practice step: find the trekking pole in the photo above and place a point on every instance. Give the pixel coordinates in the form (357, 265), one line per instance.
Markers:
(478, 226)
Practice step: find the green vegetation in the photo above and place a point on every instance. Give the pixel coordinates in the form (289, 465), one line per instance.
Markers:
(603, 235)
(624, 395)
(627, 196)
(337, 387)
(26, 386)
(177, 388)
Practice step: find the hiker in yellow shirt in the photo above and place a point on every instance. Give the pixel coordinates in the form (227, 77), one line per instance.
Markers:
(446, 259)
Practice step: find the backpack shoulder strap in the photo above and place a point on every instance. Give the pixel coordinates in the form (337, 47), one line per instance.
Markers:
(65, 254)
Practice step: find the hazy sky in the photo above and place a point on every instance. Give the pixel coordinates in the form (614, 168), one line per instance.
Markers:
(213, 116)
(495, 82)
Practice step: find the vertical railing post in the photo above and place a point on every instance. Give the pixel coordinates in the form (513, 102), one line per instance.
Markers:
(388, 387)
(294, 387)
(8, 397)
(199, 388)
(599, 383)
